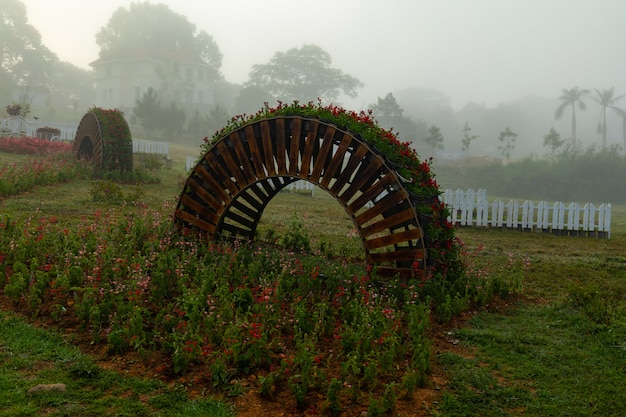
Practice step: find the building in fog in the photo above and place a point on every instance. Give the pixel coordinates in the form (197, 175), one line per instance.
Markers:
(182, 78)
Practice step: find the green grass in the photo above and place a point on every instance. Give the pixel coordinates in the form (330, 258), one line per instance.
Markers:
(31, 356)
(560, 350)
(537, 360)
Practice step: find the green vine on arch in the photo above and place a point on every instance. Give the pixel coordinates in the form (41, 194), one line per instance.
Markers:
(117, 140)
(443, 247)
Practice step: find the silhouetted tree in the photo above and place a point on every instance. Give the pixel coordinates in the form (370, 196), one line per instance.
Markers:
(622, 114)
(434, 139)
(148, 111)
(552, 141)
(216, 118)
(155, 30)
(468, 138)
(24, 60)
(605, 99)
(507, 143)
(251, 99)
(71, 86)
(172, 121)
(303, 74)
(572, 97)
(390, 115)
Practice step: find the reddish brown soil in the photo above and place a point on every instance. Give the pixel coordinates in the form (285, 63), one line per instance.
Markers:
(250, 403)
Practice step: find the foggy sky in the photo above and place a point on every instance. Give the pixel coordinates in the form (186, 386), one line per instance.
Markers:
(485, 51)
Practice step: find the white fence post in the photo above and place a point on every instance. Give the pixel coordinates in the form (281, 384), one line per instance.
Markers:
(470, 208)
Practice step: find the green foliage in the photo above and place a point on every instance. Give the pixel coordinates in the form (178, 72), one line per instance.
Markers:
(333, 398)
(571, 97)
(434, 138)
(107, 191)
(155, 29)
(302, 74)
(391, 116)
(607, 100)
(18, 178)
(468, 138)
(155, 116)
(552, 140)
(600, 305)
(117, 142)
(296, 238)
(574, 176)
(507, 143)
(24, 58)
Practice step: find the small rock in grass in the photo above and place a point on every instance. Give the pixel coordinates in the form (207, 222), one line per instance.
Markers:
(46, 388)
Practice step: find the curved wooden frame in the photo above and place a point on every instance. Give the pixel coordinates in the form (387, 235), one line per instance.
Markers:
(89, 131)
(231, 185)
(107, 135)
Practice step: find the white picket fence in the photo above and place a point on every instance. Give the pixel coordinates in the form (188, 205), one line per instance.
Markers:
(471, 208)
(301, 186)
(151, 147)
(19, 126)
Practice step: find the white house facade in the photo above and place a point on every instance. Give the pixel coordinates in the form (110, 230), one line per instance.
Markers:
(120, 82)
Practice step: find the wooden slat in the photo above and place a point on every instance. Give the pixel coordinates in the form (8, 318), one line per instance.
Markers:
(267, 187)
(353, 163)
(252, 213)
(337, 160)
(268, 150)
(204, 212)
(206, 177)
(248, 223)
(233, 166)
(256, 204)
(255, 152)
(375, 190)
(206, 196)
(260, 193)
(389, 222)
(381, 206)
(195, 221)
(319, 162)
(244, 158)
(309, 148)
(221, 173)
(388, 272)
(294, 149)
(398, 255)
(281, 147)
(362, 177)
(390, 240)
(237, 231)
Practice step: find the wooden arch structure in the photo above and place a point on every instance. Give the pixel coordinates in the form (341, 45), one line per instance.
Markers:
(103, 137)
(88, 140)
(230, 186)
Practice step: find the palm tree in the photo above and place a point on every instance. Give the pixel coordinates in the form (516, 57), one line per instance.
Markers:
(622, 114)
(571, 97)
(606, 99)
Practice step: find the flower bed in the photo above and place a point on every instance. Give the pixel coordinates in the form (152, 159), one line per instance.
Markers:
(28, 145)
(312, 331)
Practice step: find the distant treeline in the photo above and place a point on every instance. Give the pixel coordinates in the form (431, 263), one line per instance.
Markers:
(574, 175)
